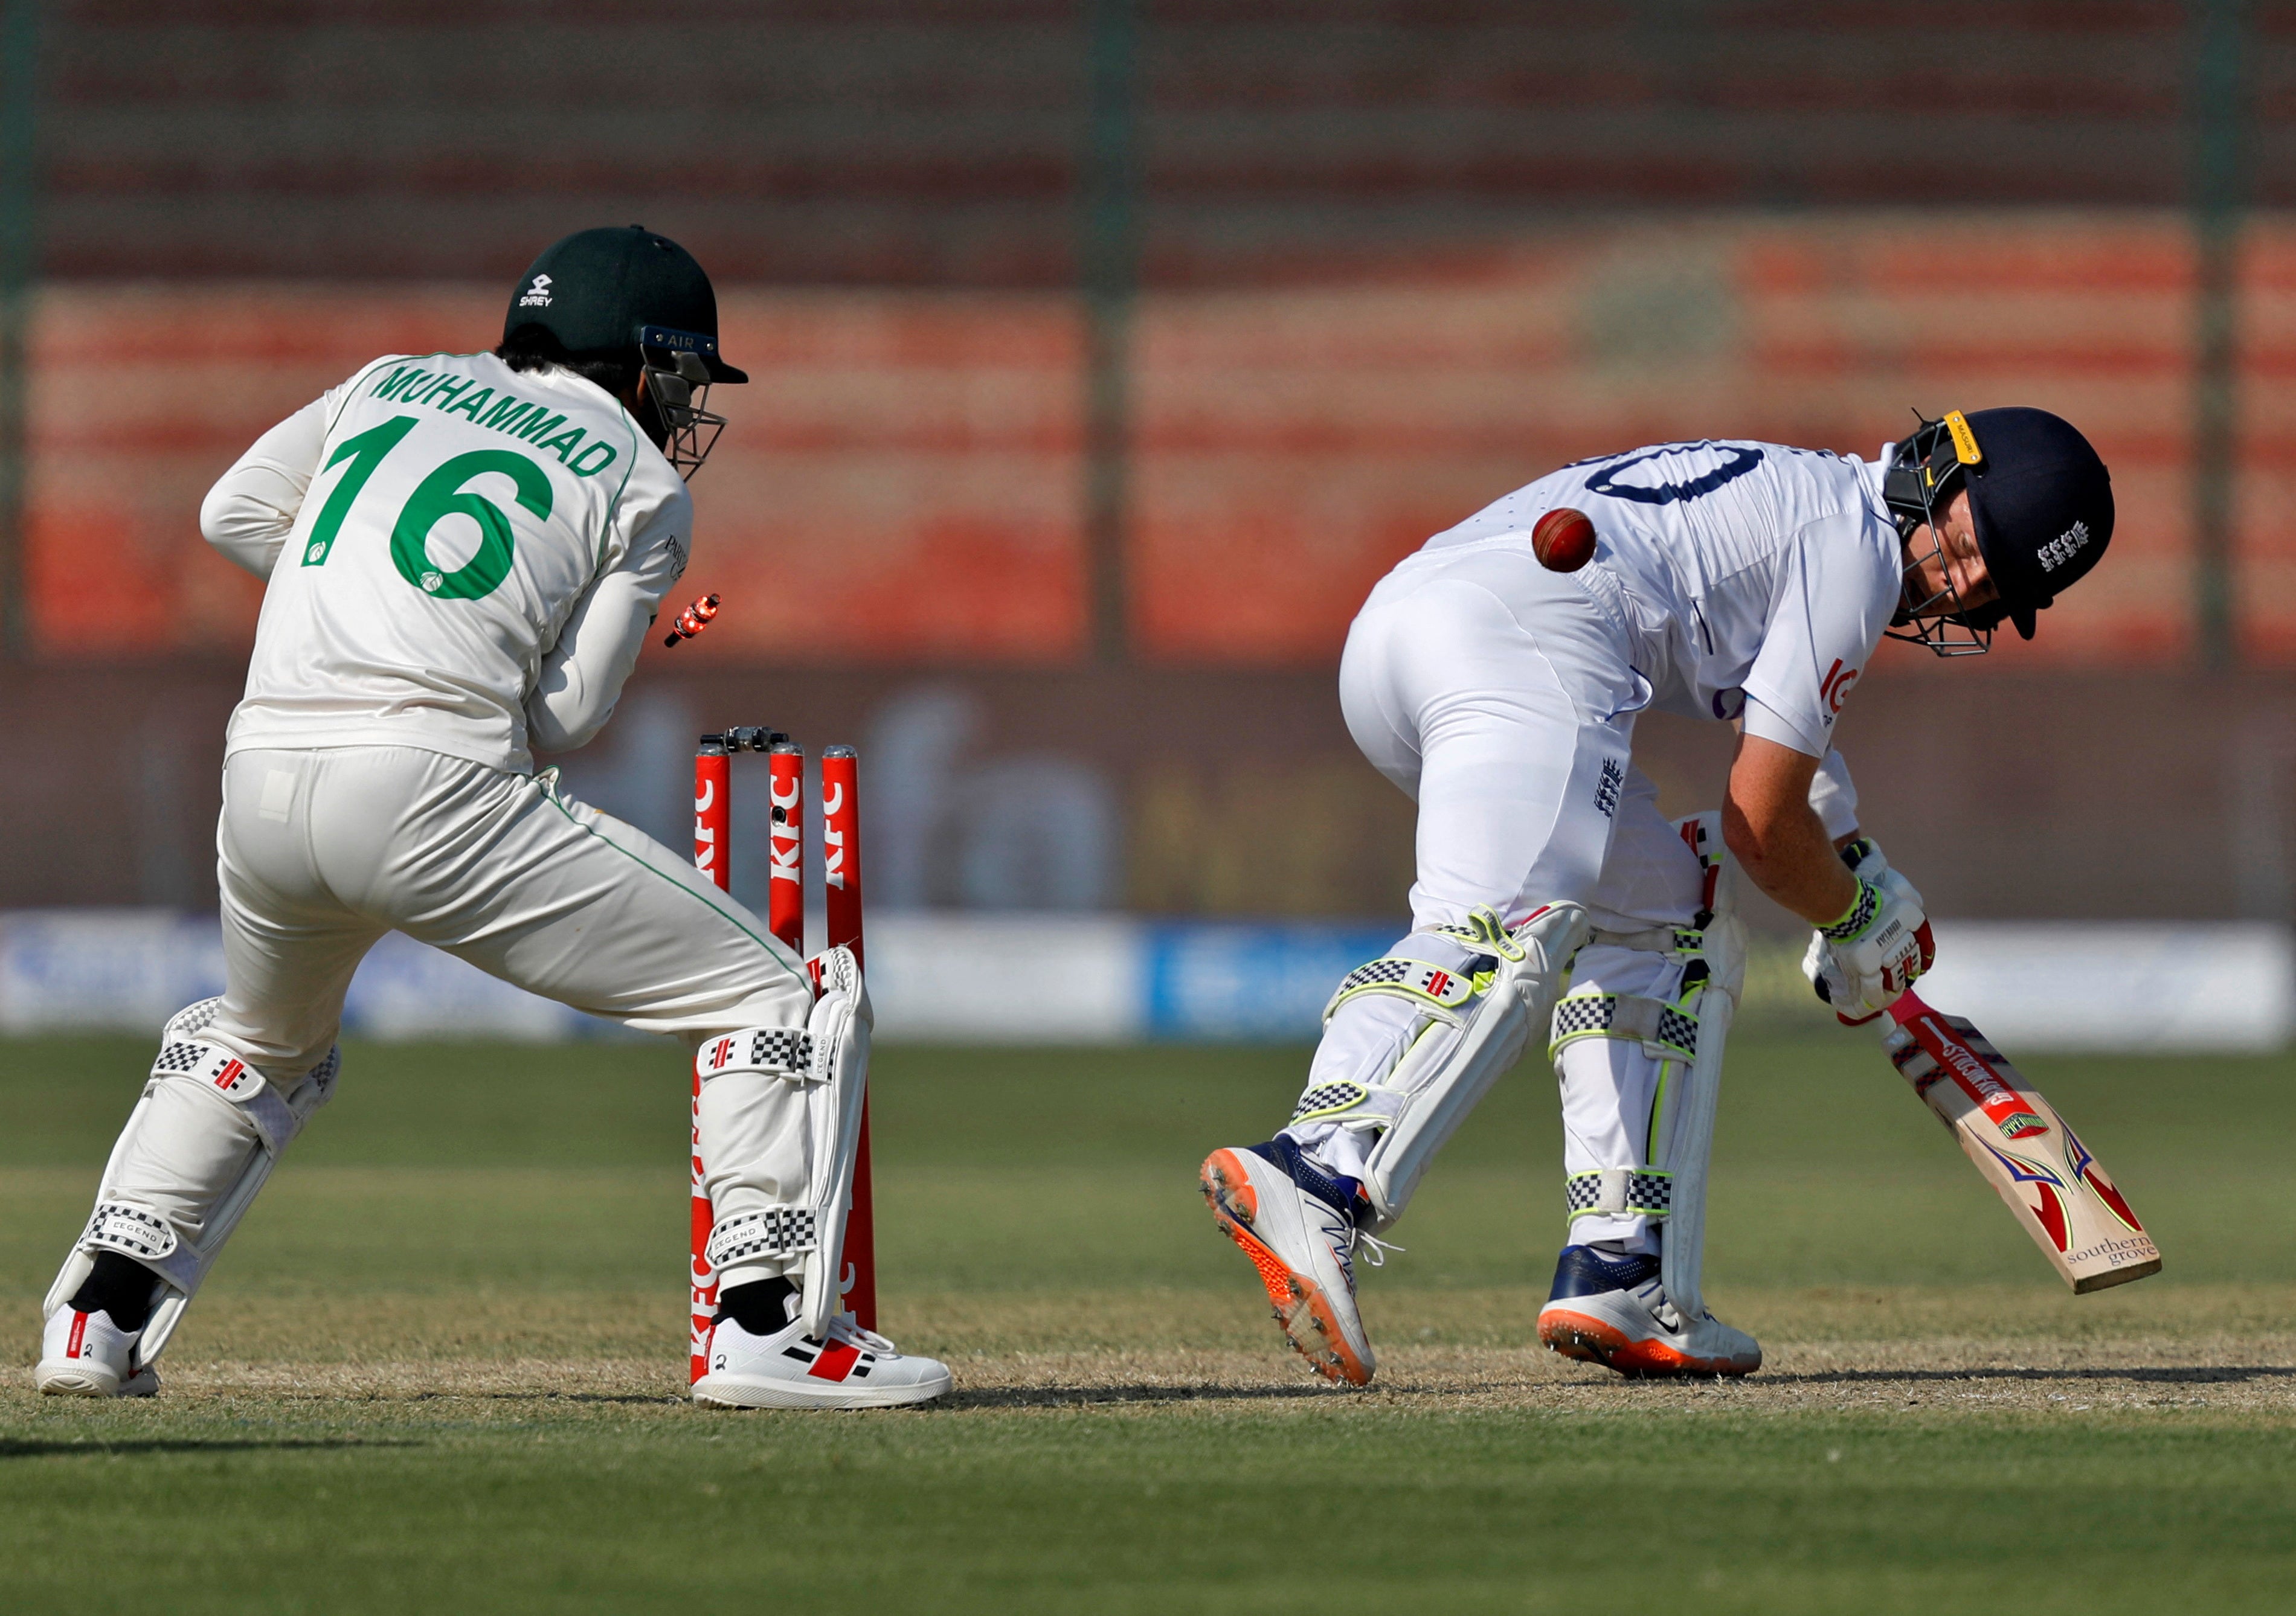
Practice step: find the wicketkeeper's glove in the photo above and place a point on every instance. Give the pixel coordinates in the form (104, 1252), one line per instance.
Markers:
(1862, 962)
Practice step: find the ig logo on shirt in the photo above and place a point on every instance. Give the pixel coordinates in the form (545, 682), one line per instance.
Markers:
(1835, 687)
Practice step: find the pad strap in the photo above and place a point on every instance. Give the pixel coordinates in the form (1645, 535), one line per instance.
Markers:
(1664, 1032)
(1485, 933)
(1618, 1192)
(778, 1231)
(1439, 986)
(785, 1052)
(1442, 988)
(132, 1231)
(1652, 940)
(213, 1066)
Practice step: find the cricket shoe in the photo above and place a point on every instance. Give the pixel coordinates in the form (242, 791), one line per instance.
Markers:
(854, 1368)
(1297, 1223)
(1615, 1311)
(86, 1355)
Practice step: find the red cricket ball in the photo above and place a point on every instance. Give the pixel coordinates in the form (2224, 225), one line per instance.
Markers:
(1563, 540)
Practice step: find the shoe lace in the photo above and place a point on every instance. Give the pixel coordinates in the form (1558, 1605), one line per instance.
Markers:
(1339, 1224)
(1349, 1237)
(846, 1327)
(1374, 1249)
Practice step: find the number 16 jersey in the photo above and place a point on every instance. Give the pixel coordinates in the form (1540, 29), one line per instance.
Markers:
(453, 515)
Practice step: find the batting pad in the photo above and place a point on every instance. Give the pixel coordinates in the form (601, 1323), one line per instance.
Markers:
(1690, 1132)
(201, 1143)
(1462, 1052)
(840, 1028)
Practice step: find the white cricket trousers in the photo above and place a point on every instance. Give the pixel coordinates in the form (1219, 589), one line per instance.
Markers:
(321, 851)
(1502, 698)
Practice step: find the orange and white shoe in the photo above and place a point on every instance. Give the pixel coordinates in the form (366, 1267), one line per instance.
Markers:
(1615, 1311)
(1297, 1223)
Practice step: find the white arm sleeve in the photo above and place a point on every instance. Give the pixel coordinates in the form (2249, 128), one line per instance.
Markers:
(582, 677)
(1764, 719)
(1833, 795)
(251, 510)
(1836, 590)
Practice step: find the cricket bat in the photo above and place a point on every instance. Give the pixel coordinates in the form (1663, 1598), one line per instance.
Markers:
(2055, 1186)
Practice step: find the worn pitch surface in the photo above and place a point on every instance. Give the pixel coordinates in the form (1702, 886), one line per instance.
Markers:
(442, 1363)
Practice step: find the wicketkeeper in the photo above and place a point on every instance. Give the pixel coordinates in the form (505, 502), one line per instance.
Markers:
(1745, 583)
(463, 555)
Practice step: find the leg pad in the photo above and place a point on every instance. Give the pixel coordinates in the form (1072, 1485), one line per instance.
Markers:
(197, 1147)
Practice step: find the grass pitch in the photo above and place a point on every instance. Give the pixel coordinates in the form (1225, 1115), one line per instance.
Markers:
(441, 1364)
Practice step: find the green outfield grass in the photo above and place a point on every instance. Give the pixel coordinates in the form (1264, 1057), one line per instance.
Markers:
(440, 1365)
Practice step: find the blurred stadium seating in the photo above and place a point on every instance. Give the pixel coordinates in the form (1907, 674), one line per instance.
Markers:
(1394, 260)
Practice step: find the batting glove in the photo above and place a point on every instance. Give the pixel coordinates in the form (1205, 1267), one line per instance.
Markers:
(1862, 962)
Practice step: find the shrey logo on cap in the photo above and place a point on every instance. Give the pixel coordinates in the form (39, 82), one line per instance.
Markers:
(537, 294)
(2064, 547)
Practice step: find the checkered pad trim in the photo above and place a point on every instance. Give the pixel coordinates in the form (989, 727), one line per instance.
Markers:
(1418, 976)
(128, 1230)
(1592, 1016)
(1648, 1195)
(778, 1231)
(787, 1051)
(1409, 978)
(210, 1064)
(1329, 1099)
(193, 1019)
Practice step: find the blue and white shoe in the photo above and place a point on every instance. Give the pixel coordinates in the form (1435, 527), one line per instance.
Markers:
(1298, 1224)
(1614, 1310)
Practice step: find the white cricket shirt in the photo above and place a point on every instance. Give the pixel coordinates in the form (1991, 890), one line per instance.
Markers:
(1752, 576)
(461, 558)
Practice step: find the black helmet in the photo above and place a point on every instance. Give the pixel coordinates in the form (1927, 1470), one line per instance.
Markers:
(2039, 498)
(624, 295)
(608, 291)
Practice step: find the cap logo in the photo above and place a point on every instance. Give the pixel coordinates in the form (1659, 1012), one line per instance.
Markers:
(2064, 547)
(536, 295)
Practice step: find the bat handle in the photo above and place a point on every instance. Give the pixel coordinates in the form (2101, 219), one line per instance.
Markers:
(1896, 1025)
(1904, 1011)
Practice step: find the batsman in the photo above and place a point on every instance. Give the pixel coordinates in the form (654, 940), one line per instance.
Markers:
(1495, 676)
(463, 556)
